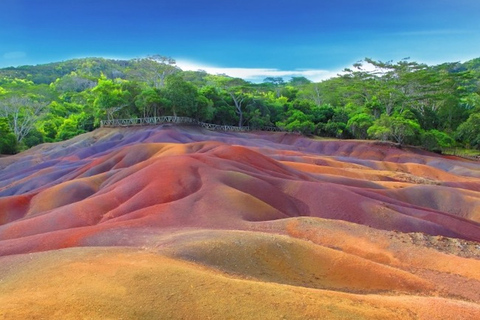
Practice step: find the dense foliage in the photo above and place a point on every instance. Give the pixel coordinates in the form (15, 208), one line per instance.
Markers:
(405, 102)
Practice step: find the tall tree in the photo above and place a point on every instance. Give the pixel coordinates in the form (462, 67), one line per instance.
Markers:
(8, 141)
(297, 121)
(183, 96)
(154, 70)
(110, 97)
(401, 128)
(469, 131)
(151, 103)
(22, 113)
(276, 82)
(236, 89)
(359, 125)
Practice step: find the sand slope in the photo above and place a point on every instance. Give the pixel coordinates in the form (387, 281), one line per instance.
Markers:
(180, 222)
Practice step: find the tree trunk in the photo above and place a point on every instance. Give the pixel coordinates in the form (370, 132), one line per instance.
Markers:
(240, 121)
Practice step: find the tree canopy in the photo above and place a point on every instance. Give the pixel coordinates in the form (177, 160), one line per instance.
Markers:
(405, 102)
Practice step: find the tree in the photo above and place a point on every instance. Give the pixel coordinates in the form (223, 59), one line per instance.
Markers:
(151, 103)
(469, 131)
(299, 81)
(323, 113)
(70, 128)
(236, 89)
(8, 141)
(332, 91)
(73, 83)
(401, 128)
(404, 129)
(276, 82)
(297, 122)
(110, 97)
(312, 91)
(22, 113)
(183, 96)
(155, 69)
(333, 129)
(218, 110)
(359, 125)
(435, 140)
(204, 108)
(379, 130)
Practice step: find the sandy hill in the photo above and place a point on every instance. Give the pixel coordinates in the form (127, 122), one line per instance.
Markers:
(175, 222)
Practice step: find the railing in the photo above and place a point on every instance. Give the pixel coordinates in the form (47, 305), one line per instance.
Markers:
(179, 120)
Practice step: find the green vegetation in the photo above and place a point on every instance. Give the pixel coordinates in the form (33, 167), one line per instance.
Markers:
(436, 107)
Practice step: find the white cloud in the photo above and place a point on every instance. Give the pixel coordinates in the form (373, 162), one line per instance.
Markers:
(14, 55)
(258, 74)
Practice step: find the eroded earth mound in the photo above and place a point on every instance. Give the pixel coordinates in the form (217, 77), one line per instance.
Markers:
(181, 222)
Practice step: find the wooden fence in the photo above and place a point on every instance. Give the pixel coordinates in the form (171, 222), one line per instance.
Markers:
(151, 121)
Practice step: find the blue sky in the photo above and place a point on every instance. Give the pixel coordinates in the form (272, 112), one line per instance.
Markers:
(316, 38)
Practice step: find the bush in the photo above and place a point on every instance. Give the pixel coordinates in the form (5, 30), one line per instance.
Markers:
(33, 138)
(8, 141)
(434, 140)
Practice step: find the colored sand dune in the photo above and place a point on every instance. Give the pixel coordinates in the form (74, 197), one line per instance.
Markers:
(180, 222)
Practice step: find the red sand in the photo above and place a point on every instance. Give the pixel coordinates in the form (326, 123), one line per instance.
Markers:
(295, 227)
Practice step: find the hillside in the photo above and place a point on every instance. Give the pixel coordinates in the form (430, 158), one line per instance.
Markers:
(433, 107)
(181, 222)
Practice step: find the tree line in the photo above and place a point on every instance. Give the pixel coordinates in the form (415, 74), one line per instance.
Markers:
(406, 102)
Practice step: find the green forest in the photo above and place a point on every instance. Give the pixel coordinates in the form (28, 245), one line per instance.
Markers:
(405, 102)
